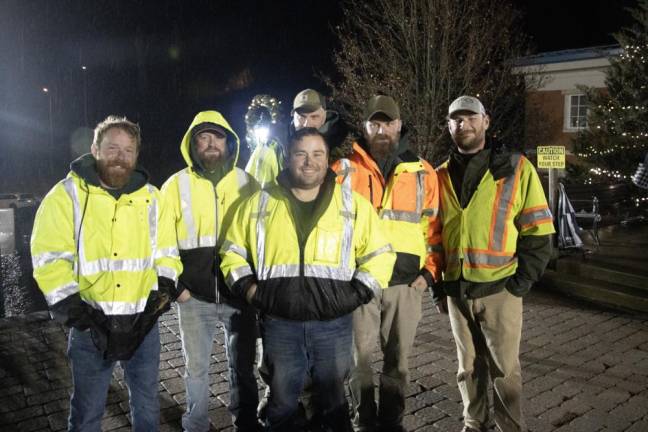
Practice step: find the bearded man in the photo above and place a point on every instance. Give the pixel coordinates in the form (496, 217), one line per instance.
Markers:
(104, 254)
(497, 240)
(404, 192)
(201, 199)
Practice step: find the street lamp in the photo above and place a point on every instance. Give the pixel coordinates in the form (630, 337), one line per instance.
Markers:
(51, 125)
(85, 94)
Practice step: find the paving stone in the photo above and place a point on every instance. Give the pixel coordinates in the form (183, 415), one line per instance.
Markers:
(114, 422)
(632, 410)
(33, 424)
(640, 426)
(581, 378)
(48, 396)
(174, 385)
(448, 424)
(58, 421)
(412, 422)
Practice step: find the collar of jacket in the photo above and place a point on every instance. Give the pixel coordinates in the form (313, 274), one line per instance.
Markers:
(405, 162)
(497, 157)
(322, 201)
(85, 167)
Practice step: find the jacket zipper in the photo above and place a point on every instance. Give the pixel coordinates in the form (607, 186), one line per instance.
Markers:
(370, 190)
(301, 266)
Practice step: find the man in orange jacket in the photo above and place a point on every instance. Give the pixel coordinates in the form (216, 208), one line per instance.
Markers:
(403, 189)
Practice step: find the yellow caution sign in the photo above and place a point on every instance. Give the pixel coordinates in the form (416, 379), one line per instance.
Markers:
(551, 157)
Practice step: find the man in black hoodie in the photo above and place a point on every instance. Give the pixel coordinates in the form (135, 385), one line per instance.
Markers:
(310, 110)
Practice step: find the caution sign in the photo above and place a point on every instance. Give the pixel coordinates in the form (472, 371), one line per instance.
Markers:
(551, 157)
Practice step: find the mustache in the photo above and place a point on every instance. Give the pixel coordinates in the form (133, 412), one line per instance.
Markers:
(115, 163)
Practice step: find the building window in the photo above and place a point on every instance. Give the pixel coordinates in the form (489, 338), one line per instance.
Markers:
(575, 112)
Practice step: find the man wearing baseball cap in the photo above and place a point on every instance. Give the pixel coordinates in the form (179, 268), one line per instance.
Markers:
(202, 198)
(403, 190)
(496, 240)
(310, 110)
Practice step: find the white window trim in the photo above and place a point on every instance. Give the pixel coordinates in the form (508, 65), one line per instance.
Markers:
(567, 114)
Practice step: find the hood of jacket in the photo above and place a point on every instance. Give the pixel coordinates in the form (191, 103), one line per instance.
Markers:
(85, 166)
(233, 142)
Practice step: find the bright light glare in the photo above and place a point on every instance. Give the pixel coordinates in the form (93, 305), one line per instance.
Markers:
(45, 89)
(261, 134)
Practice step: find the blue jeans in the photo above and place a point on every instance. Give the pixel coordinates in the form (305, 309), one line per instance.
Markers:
(293, 350)
(199, 321)
(91, 376)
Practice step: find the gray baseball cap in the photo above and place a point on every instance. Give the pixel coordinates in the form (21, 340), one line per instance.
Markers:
(466, 103)
(308, 100)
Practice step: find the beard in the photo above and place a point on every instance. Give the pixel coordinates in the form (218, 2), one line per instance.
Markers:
(115, 174)
(382, 146)
(211, 162)
(468, 143)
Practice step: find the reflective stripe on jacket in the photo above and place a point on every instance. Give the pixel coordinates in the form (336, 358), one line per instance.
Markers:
(108, 251)
(316, 281)
(480, 240)
(407, 203)
(202, 212)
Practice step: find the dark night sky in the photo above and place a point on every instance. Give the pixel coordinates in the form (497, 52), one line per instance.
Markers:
(160, 62)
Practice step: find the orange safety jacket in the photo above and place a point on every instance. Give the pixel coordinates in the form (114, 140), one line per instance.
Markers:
(407, 203)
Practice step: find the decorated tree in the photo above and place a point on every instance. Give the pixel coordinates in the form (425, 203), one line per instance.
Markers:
(426, 53)
(617, 135)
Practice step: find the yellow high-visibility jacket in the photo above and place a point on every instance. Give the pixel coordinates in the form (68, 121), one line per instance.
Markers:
(344, 258)
(89, 248)
(480, 240)
(202, 212)
(265, 163)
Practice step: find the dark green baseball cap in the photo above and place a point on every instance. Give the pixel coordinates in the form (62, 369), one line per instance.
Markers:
(382, 104)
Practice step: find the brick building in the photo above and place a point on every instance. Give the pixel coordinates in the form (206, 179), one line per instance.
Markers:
(556, 109)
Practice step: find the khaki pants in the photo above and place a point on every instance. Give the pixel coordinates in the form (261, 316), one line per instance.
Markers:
(493, 345)
(393, 315)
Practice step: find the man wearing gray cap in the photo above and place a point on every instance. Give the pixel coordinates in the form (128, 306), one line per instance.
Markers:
(403, 189)
(309, 110)
(496, 239)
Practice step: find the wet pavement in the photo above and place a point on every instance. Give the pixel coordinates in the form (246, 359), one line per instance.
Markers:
(19, 294)
(584, 368)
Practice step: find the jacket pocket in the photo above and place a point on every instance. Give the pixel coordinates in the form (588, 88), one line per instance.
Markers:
(406, 268)
(328, 245)
(404, 192)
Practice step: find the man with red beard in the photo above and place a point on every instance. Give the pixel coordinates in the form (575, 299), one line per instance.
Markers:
(104, 254)
(403, 190)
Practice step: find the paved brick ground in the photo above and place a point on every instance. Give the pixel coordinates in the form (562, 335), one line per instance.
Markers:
(584, 368)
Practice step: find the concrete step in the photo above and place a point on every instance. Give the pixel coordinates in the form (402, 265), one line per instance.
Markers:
(595, 291)
(632, 274)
